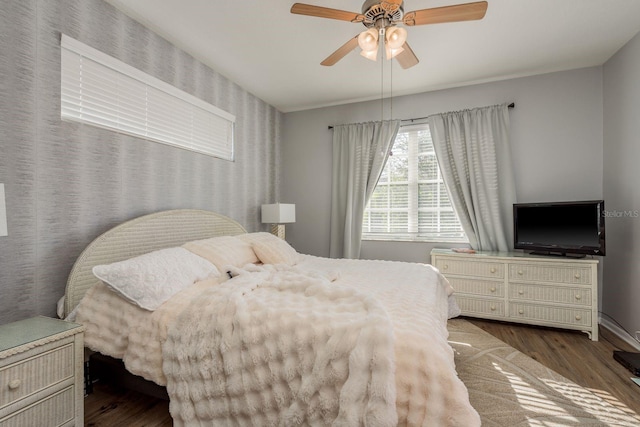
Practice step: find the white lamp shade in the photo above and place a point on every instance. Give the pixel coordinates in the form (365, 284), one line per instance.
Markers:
(392, 53)
(396, 36)
(368, 40)
(370, 54)
(278, 213)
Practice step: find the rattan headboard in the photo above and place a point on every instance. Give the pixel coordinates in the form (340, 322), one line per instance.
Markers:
(141, 235)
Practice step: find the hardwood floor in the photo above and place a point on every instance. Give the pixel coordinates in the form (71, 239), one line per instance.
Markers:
(571, 354)
(108, 406)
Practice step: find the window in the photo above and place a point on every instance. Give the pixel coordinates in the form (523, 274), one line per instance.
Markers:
(410, 201)
(100, 90)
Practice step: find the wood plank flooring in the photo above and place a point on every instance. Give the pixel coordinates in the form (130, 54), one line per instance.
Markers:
(108, 406)
(571, 354)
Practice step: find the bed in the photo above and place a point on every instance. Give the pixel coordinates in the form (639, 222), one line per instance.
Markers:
(271, 337)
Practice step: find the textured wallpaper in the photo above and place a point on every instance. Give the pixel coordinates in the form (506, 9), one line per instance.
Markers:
(67, 183)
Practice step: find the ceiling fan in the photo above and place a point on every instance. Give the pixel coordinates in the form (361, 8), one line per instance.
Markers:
(382, 19)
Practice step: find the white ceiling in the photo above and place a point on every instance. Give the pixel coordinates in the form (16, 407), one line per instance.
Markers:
(276, 55)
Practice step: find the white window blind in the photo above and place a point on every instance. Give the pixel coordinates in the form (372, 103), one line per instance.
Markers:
(102, 91)
(410, 201)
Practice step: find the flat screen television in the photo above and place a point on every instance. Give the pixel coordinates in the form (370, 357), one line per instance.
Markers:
(560, 228)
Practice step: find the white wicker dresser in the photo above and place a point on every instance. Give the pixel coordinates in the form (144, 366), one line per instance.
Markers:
(515, 287)
(41, 373)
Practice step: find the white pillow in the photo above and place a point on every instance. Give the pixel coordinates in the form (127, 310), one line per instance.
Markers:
(271, 249)
(223, 251)
(151, 279)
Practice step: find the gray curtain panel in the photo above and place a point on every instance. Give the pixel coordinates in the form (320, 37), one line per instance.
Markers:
(360, 152)
(474, 155)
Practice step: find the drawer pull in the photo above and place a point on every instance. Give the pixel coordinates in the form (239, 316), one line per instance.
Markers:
(578, 317)
(446, 266)
(14, 384)
(520, 292)
(493, 269)
(520, 272)
(521, 311)
(493, 308)
(577, 275)
(578, 297)
(492, 289)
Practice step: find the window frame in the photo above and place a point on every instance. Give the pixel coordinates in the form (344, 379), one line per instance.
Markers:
(413, 185)
(102, 91)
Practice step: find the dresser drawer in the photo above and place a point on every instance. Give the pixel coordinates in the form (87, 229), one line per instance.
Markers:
(28, 376)
(477, 287)
(558, 315)
(550, 273)
(483, 307)
(544, 293)
(470, 268)
(55, 410)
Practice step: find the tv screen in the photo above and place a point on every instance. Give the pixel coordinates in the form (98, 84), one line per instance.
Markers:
(560, 228)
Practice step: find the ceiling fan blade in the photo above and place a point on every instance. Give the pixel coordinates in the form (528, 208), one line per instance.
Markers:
(407, 58)
(341, 52)
(437, 15)
(325, 12)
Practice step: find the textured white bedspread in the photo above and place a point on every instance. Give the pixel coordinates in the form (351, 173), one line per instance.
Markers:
(414, 297)
(279, 346)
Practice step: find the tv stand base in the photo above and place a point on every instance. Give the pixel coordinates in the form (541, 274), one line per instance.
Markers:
(514, 287)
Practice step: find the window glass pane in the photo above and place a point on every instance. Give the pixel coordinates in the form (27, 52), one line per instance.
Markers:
(399, 196)
(445, 202)
(428, 195)
(427, 221)
(380, 197)
(427, 168)
(379, 222)
(425, 144)
(401, 144)
(398, 167)
(399, 222)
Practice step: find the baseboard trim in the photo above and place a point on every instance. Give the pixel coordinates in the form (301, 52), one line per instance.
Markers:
(619, 332)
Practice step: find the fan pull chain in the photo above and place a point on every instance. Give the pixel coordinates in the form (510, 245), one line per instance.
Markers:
(391, 90)
(381, 47)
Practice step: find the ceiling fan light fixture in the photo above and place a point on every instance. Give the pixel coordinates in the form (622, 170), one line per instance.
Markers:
(392, 53)
(368, 40)
(370, 54)
(395, 37)
(385, 15)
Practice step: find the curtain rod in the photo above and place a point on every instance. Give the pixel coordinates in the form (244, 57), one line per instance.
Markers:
(512, 105)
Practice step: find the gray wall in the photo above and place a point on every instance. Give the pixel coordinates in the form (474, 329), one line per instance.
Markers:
(556, 135)
(621, 298)
(66, 183)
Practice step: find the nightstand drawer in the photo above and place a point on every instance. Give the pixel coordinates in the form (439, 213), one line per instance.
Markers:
(28, 376)
(55, 410)
(470, 268)
(545, 293)
(550, 274)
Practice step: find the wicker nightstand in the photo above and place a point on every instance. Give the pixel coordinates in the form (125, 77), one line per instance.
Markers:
(41, 373)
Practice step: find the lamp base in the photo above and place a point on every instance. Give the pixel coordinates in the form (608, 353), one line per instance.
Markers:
(278, 230)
